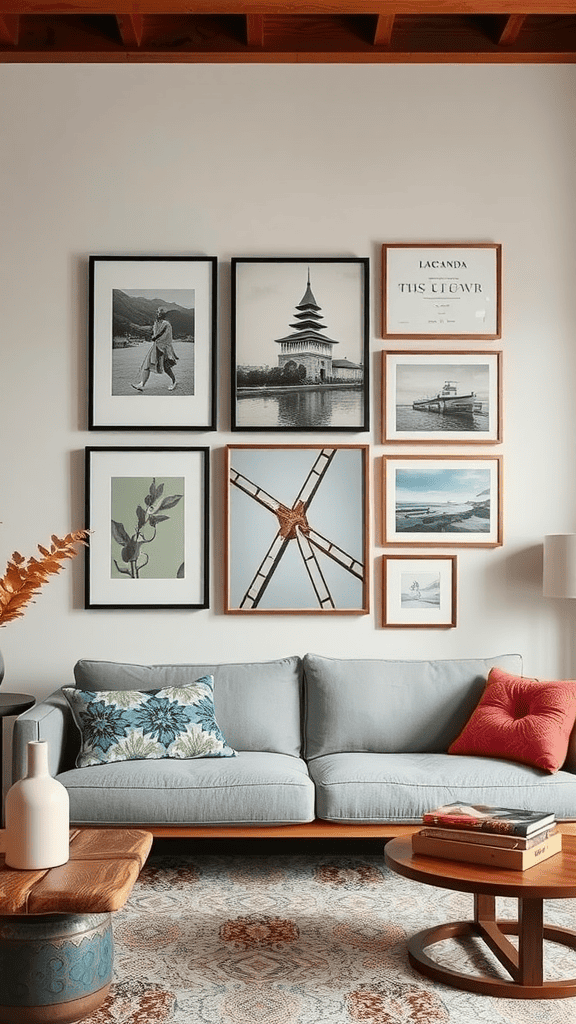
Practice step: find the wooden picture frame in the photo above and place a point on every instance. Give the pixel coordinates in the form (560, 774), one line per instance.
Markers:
(419, 591)
(147, 509)
(297, 529)
(442, 290)
(442, 397)
(152, 335)
(300, 344)
(443, 501)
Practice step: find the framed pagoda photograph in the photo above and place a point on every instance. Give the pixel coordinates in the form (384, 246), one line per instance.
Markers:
(297, 529)
(419, 591)
(152, 355)
(442, 290)
(147, 510)
(442, 397)
(443, 501)
(300, 344)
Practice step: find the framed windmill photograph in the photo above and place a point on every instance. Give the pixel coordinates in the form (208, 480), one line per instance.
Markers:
(147, 510)
(152, 355)
(419, 591)
(300, 336)
(443, 501)
(297, 529)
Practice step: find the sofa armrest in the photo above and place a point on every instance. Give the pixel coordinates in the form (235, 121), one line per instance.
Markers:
(570, 762)
(49, 720)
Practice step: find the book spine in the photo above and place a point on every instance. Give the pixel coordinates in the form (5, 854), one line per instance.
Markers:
(499, 826)
(493, 856)
(488, 838)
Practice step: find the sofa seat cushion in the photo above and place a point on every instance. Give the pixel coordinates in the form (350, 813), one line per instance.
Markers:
(253, 788)
(398, 788)
(381, 706)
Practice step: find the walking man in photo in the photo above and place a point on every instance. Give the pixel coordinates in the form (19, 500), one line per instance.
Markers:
(161, 356)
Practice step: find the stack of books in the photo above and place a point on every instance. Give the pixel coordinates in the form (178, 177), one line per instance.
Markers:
(502, 837)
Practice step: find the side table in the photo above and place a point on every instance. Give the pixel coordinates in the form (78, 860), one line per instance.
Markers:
(11, 704)
(56, 943)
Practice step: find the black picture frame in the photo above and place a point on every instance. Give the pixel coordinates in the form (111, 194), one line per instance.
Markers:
(148, 513)
(299, 385)
(125, 294)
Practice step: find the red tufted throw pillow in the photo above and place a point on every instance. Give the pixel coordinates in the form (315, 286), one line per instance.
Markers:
(526, 720)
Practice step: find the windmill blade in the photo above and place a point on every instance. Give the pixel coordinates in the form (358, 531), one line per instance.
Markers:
(253, 491)
(314, 478)
(264, 572)
(314, 571)
(347, 561)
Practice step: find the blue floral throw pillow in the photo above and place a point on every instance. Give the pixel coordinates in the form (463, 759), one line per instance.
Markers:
(134, 725)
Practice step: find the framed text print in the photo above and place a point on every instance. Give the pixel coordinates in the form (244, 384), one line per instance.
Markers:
(297, 526)
(152, 343)
(447, 291)
(147, 509)
(300, 344)
(419, 590)
(443, 502)
(442, 397)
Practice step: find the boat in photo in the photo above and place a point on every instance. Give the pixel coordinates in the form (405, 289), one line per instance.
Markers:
(449, 402)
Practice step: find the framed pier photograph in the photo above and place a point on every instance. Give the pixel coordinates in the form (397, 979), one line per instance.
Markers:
(442, 290)
(447, 501)
(300, 355)
(297, 529)
(442, 397)
(419, 591)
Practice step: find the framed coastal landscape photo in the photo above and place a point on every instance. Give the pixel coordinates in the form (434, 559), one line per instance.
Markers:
(442, 290)
(300, 356)
(152, 354)
(419, 591)
(447, 501)
(297, 529)
(147, 510)
(442, 397)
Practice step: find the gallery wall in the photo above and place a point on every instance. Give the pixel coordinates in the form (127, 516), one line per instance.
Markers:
(295, 161)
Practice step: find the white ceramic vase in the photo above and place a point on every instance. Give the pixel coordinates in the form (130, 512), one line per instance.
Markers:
(37, 816)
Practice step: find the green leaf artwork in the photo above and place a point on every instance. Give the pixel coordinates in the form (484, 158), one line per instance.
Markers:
(151, 543)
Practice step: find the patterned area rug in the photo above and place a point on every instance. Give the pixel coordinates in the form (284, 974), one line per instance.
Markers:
(300, 933)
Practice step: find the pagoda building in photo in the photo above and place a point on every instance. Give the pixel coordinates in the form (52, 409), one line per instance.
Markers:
(307, 346)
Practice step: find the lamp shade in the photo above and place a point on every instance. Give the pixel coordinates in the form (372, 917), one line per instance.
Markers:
(560, 565)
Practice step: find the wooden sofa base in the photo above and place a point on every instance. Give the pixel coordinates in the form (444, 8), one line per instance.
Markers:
(307, 830)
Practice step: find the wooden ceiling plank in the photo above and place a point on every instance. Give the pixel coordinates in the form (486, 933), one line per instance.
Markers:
(512, 28)
(383, 30)
(255, 30)
(289, 7)
(9, 29)
(131, 28)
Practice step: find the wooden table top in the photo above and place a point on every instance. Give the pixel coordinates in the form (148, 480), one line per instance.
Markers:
(554, 878)
(97, 879)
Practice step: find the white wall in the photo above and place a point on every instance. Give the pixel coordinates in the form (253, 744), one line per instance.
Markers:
(287, 160)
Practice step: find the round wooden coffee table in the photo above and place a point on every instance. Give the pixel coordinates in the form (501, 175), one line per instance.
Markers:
(553, 879)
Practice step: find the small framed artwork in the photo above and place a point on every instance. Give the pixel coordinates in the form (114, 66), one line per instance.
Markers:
(448, 291)
(147, 509)
(297, 529)
(443, 502)
(300, 357)
(419, 590)
(442, 397)
(152, 358)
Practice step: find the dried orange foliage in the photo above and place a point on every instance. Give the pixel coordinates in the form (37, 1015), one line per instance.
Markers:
(24, 577)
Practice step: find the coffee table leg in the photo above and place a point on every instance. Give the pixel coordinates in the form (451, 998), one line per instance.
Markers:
(531, 941)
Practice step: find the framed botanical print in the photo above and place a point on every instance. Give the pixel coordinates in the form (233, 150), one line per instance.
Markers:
(419, 591)
(300, 357)
(446, 291)
(147, 510)
(152, 323)
(443, 501)
(442, 397)
(297, 529)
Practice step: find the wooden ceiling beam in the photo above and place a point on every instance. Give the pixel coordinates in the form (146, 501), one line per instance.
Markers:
(9, 29)
(383, 30)
(131, 28)
(290, 7)
(511, 29)
(255, 30)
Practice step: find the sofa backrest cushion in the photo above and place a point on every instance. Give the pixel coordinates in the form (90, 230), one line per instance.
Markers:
(392, 706)
(258, 705)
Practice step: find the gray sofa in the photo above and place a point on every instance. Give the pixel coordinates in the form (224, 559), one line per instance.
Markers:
(325, 746)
